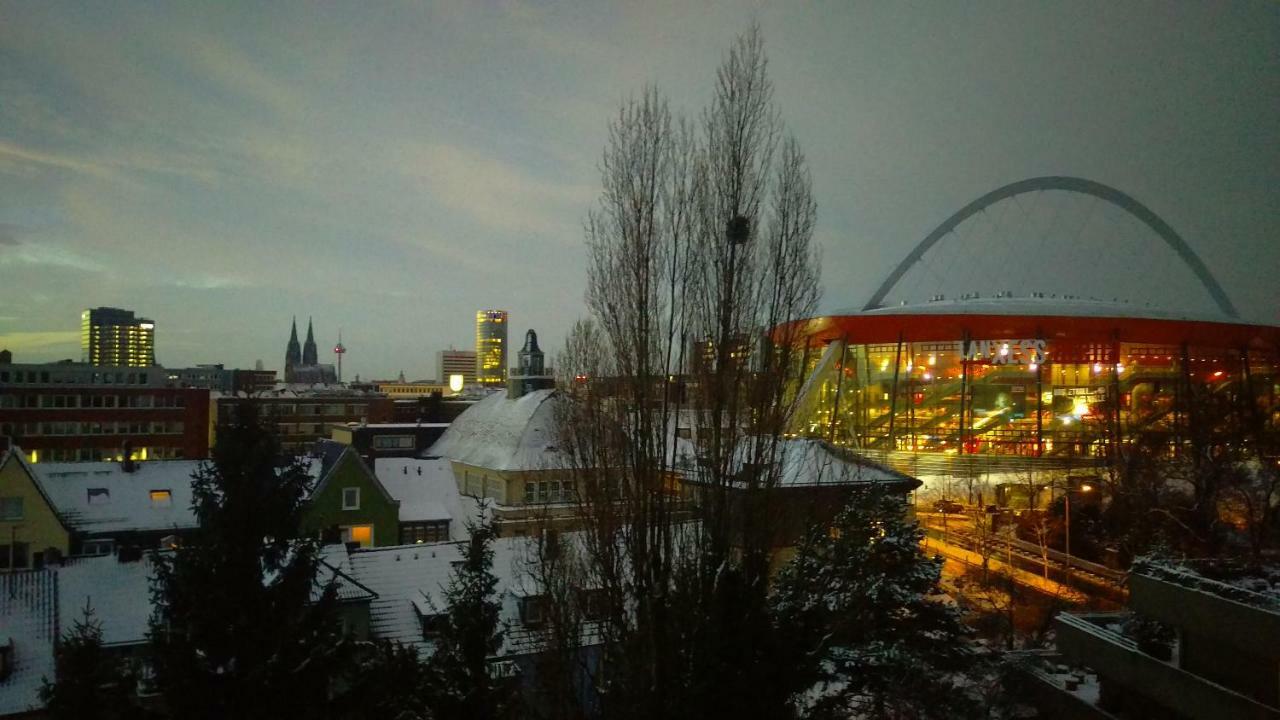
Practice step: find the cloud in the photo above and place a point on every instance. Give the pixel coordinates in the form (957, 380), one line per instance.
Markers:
(9, 234)
(205, 282)
(11, 154)
(49, 255)
(121, 165)
(495, 193)
(40, 340)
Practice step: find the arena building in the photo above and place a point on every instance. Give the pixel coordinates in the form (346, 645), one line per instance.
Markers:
(997, 385)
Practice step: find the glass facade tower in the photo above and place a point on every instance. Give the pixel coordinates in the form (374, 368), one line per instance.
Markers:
(111, 336)
(491, 347)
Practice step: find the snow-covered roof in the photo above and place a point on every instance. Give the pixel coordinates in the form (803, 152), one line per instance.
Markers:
(410, 581)
(332, 456)
(504, 434)
(118, 592)
(809, 461)
(28, 611)
(427, 491)
(391, 426)
(100, 497)
(405, 578)
(1049, 306)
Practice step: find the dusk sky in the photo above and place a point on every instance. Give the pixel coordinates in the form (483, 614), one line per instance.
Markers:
(390, 168)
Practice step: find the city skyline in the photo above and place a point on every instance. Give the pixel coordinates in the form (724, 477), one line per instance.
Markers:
(209, 166)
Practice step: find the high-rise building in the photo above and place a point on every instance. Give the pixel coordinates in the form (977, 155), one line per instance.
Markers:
(456, 362)
(115, 337)
(491, 347)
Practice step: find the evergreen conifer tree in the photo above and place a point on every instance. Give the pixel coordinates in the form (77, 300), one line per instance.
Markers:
(470, 635)
(89, 684)
(241, 628)
(857, 600)
(389, 681)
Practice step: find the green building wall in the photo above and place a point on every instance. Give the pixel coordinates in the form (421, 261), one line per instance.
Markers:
(324, 509)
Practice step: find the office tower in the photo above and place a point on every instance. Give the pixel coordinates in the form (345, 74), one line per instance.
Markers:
(456, 362)
(111, 336)
(491, 347)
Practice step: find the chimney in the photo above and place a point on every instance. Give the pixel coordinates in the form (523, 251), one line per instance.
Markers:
(126, 450)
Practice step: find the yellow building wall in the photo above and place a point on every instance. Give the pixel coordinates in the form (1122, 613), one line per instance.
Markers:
(39, 526)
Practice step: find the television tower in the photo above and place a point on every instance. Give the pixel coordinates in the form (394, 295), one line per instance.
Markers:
(339, 350)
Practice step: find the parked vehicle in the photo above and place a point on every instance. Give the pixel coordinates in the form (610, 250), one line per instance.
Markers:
(948, 507)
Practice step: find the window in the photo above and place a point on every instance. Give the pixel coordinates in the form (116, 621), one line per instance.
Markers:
(432, 625)
(548, 491)
(97, 547)
(592, 602)
(351, 498)
(98, 496)
(359, 534)
(393, 442)
(533, 610)
(424, 532)
(14, 556)
(11, 508)
(161, 498)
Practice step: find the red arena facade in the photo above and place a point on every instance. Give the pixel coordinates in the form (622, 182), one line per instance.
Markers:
(1000, 385)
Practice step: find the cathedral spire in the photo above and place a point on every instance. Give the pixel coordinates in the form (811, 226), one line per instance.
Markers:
(292, 353)
(309, 354)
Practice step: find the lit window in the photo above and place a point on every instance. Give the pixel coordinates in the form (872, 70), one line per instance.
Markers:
(161, 498)
(359, 534)
(351, 498)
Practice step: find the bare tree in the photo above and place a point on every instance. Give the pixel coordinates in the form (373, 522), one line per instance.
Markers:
(700, 265)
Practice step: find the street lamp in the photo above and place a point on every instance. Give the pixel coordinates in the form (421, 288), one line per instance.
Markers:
(1084, 488)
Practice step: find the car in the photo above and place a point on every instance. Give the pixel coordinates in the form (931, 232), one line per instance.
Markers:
(948, 506)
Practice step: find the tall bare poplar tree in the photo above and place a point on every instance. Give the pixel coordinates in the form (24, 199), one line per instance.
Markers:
(700, 248)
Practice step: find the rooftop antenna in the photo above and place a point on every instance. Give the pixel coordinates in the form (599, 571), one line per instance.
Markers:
(339, 350)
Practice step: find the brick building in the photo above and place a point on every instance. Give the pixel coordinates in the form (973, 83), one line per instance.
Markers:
(68, 411)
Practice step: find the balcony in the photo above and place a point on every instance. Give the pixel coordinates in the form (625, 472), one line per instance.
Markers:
(1092, 640)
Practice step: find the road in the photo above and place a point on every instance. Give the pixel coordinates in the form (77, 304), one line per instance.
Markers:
(955, 533)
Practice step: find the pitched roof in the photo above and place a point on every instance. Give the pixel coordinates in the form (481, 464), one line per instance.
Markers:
(118, 592)
(99, 497)
(28, 617)
(504, 434)
(411, 580)
(810, 462)
(334, 455)
(427, 491)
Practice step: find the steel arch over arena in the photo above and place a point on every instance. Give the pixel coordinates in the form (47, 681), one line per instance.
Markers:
(1005, 384)
(1068, 184)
